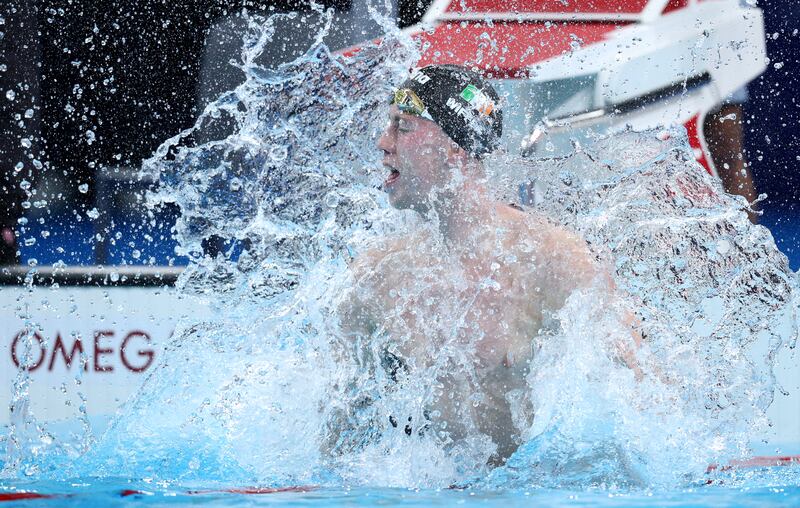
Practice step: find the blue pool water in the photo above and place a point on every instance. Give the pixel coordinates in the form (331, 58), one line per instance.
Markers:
(763, 488)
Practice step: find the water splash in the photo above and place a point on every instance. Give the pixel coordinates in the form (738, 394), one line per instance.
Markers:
(281, 170)
(268, 390)
(707, 285)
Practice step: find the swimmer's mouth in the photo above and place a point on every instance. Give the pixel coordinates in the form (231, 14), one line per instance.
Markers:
(393, 176)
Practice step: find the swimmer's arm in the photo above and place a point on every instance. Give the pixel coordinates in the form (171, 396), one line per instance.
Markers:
(577, 268)
(626, 350)
(357, 316)
(364, 311)
(357, 320)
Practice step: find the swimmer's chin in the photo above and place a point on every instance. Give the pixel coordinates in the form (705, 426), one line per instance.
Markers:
(399, 203)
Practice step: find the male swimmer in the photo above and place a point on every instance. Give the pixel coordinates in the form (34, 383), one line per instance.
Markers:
(478, 285)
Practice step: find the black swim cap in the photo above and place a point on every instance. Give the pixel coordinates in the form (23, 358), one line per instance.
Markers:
(460, 101)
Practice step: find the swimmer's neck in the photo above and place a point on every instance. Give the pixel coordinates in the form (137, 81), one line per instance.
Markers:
(465, 217)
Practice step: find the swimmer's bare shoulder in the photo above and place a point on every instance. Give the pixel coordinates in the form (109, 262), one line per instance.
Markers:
(569, 264)
(551, 262)
(556, 249)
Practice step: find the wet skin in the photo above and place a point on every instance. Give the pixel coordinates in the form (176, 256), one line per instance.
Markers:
(469, 295)
(416, 153)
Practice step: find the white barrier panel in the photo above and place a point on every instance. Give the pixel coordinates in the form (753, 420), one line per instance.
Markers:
(95, 346)
(90, 342)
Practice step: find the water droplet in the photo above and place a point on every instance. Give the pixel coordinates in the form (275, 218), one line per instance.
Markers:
(136, 254)
(90, 137)
(332, 200)
(278, 153)
(576, 42)
(83, 188)
(93, 213)
(10, 95)
(25, 142)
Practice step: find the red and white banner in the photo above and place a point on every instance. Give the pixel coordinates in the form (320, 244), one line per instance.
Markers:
(653, 63)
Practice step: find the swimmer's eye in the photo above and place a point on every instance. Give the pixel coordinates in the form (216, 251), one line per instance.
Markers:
(404, 125)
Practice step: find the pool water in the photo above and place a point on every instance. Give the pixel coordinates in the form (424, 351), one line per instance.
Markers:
(778, 486)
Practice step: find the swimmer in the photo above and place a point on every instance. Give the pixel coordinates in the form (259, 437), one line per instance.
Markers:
(482, 281)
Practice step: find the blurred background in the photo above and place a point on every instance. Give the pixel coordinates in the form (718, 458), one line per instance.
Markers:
(90, 88)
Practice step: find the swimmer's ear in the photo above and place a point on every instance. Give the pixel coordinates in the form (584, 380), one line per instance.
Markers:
(457, 156)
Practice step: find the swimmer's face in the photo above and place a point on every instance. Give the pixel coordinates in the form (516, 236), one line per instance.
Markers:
(416, 154)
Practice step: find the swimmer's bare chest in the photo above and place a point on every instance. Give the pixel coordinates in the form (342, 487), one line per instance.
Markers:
(469, 326)
(485, 308)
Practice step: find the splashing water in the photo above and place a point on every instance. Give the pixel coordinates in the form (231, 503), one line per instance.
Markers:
(707, 285)
(268, 390)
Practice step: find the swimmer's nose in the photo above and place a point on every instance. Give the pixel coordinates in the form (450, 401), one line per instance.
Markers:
(386, 141)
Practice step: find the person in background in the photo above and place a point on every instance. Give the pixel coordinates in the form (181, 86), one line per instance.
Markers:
(725, 139)
(724, 134)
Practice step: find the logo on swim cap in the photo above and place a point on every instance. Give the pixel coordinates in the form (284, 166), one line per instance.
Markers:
(458, 109)
(478, 100)
(460, 101)
(469, 93)
(419, 77)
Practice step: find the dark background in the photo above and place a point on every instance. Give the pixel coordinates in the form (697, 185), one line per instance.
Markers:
(772, 121)
(129, 68)
(128, 71)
